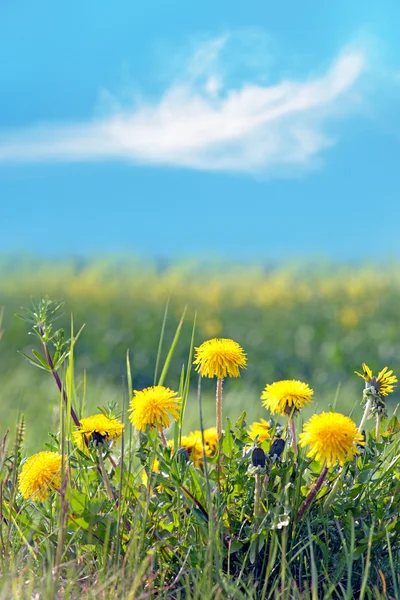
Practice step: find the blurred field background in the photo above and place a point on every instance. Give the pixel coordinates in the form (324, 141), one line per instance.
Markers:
(315, 323)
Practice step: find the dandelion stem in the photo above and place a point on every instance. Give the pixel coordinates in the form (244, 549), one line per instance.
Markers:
(219, 408)
(377, 427)
(365, 415)
(107, 483)
(314, 490)
(292, 428)
(257, 495)
(163, 438)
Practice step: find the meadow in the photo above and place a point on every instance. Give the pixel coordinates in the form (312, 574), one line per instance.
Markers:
(318, 324)
(146, 504)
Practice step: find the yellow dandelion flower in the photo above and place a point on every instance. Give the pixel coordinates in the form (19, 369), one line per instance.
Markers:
(260, 429)
(332, 438)
(210, 440)
(280, 397)
(40, 474)
(366, 374)
(154, 406)
(383, 383)
(194, 446)
(219, 358)
(98, 428)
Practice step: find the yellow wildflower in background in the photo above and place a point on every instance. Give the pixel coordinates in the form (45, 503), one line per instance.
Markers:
(40, 474)
(384, 383)
(260, 429)
(210, 440)
(194, 446)
(219, 358)
(155, 469)
(332, 438)
(154, 406)
(280, 397)
(98, 428)
(348, 317)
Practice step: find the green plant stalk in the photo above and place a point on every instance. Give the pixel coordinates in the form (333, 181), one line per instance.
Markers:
(365, 415)
(292, 428)
(57, 379)
(187, 380)
(172, 349)
(218, 406)
(367, 564)
(160, 343)
(106, 480)
(63, 509)
(257, 496)
(314, 575)
(378, 426)
(331, 496)
(313, 492)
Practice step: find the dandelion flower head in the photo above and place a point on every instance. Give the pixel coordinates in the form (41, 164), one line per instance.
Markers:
(96, 428)
(282, 396)
(40, 474)
(220, 358)
(331, 437)
(210, 440)
(194, 446)
(383, 383)
(155, 406)
(260, 429)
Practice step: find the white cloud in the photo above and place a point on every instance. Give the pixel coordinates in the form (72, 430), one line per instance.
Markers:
(200, 122)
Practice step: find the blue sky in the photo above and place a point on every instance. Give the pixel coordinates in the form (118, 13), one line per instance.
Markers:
(174, 128)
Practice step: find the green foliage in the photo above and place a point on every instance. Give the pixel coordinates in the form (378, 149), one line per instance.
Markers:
(123, 526)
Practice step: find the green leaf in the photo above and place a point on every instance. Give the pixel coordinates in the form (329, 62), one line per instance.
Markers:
(171, 350)
(34, 362)
(227, 444)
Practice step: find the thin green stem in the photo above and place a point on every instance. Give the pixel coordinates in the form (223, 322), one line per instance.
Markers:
(218, 405)
(365, 415)
(292, 428)
(257, 496)
(106, 480)
(378, 426)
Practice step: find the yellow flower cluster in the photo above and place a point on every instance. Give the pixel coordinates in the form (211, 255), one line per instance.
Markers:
(331, 437)
(194, 444)
(194, 447)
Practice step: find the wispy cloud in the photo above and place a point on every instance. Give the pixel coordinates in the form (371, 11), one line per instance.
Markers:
(201, 121)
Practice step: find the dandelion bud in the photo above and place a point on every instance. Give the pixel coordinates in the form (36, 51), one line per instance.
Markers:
(258, 458)
(276, 449)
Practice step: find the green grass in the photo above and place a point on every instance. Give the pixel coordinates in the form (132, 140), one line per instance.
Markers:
(188, 532)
